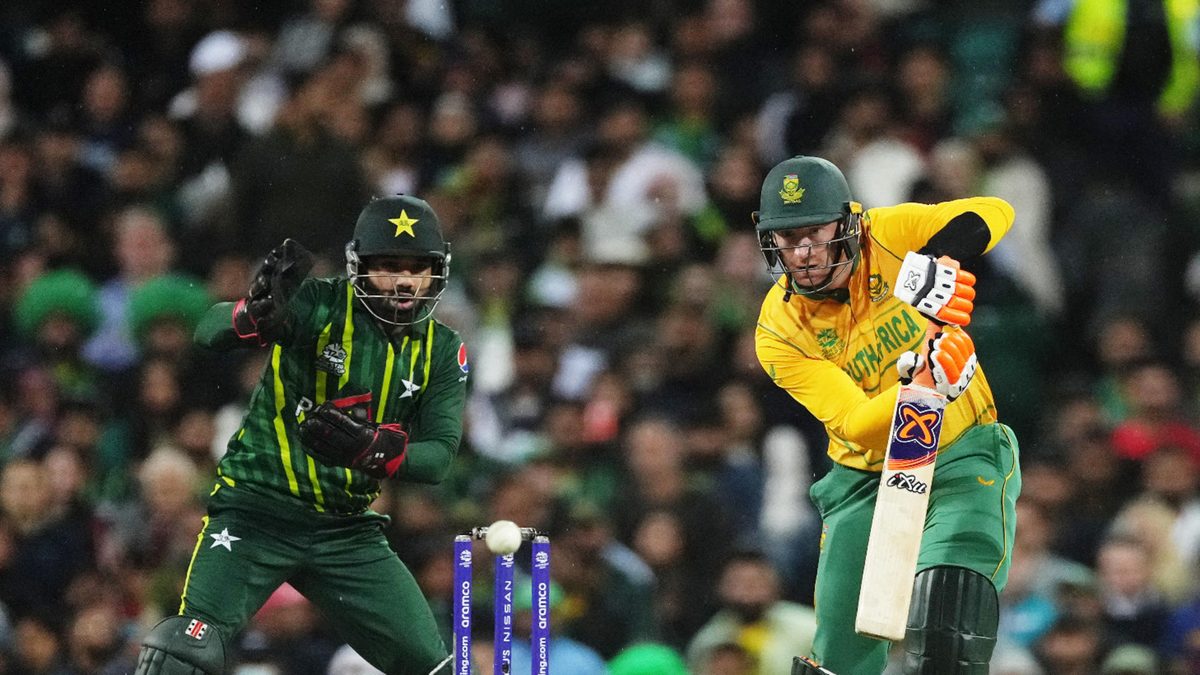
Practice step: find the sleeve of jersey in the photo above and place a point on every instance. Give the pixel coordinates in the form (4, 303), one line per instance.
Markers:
(215, 329)
(828, 393)
(437, 429)
(961, 229)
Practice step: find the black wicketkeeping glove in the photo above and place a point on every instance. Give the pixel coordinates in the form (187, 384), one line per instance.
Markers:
(336, 439)
(262, 315)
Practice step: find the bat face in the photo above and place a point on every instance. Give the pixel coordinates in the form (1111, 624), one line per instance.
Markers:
(891, 561)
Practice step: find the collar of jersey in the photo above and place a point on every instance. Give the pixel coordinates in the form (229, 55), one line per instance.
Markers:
(418, 328)
(841, 295)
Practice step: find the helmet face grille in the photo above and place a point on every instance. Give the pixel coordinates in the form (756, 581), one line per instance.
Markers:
(843, 247)
(383, 305)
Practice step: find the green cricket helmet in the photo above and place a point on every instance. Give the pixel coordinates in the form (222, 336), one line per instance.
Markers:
(805, 192)
(400, 225)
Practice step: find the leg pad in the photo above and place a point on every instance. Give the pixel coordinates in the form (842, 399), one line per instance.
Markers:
(952, 623)
(182, 645)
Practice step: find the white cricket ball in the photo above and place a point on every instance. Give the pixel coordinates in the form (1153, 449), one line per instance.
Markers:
(503, 537)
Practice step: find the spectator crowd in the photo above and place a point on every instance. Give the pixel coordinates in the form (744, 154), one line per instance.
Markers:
(594, 166)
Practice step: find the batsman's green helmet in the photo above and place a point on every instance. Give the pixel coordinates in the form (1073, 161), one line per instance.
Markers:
(802, 191)
(805, 192)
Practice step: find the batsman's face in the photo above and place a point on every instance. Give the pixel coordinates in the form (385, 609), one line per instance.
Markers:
(402, 280)
(807, 253)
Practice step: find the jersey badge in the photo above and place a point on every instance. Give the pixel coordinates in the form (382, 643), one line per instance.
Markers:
(878, 288)
(831, 345)
(223, 538)
(410, 388)
(332, 360)
(462, 358)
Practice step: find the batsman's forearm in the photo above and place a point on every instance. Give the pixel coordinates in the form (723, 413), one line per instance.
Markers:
(868, 423)
(215, 329)
(427, 461)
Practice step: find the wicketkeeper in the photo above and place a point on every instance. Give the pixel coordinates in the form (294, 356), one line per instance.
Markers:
(844, 322)
(362, 385)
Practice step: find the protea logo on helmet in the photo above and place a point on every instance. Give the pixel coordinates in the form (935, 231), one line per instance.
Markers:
(791, 193)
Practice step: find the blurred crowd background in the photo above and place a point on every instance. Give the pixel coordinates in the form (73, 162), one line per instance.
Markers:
(594, 165)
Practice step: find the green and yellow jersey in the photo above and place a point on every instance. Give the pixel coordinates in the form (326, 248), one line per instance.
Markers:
(336, 350)
(836, 354)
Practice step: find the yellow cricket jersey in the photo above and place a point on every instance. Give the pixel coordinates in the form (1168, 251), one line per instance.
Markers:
(838, 358)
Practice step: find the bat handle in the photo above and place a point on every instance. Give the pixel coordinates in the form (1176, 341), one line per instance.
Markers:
(924, 377)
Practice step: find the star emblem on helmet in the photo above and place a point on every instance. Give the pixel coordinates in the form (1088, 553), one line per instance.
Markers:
(404, 224)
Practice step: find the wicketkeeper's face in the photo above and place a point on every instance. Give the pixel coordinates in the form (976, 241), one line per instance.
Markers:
(403, 280)
(806, 253)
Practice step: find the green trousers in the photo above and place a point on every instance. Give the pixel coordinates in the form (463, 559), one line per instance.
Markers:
(252, 543)
(970, 523)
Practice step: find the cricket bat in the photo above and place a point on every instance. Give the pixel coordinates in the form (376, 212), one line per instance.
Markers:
(899, 519)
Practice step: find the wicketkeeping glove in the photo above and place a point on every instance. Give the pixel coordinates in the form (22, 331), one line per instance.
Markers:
(939, 289)
(334, 438)
(262, 315)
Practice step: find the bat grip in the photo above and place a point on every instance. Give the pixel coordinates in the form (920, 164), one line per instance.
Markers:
(924, 376)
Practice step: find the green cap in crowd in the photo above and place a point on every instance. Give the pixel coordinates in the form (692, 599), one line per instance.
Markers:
(647, 658)
(175, 297)
(65, 292)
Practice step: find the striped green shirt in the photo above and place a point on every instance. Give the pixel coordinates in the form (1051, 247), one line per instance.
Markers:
(416, 378)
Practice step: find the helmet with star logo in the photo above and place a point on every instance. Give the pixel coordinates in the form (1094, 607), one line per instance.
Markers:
(398, 227)
(804, 192)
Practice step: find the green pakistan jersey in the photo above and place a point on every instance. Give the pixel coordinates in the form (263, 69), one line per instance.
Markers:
(335, 349)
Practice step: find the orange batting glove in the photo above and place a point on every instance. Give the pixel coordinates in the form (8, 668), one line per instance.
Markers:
(952, 361)
(939, 289)
(950, 356)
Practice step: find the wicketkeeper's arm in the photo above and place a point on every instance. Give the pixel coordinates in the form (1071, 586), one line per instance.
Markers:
(267, 314)
(437, 428)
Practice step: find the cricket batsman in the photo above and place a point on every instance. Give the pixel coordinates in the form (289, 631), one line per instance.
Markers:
(362, 385)
(836, 335)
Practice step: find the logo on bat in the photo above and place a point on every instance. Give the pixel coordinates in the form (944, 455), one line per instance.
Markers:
(915, 432)
(906, 482)
(917, 425)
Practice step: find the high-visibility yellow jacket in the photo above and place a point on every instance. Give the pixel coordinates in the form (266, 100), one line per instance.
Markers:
(1094, 36)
